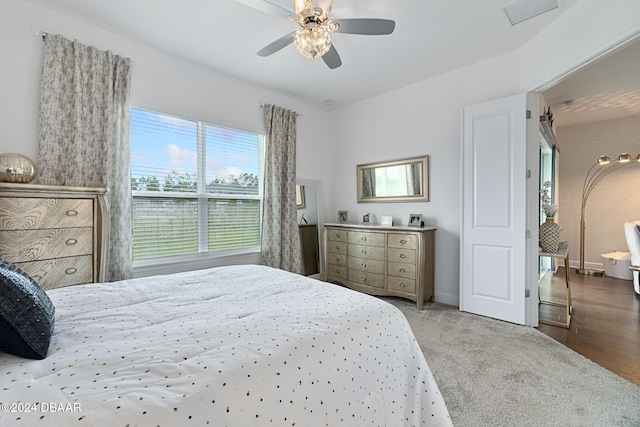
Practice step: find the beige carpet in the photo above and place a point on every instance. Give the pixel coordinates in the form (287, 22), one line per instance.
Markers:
(494, 373)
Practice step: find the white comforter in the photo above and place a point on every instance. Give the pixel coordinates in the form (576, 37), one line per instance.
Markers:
(230, 346)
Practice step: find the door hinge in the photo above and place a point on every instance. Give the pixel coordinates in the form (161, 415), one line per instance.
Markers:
(528, 173)
(527, 293)
(528, 114)
(527, 234)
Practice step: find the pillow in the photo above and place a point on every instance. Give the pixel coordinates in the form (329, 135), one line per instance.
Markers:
(26, 314)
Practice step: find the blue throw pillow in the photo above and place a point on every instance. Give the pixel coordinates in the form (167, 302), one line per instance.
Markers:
(26, 314)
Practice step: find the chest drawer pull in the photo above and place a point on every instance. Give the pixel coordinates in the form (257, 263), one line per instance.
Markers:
(402, 270)
(403, 242)
(403, 256)
(338, 235)
(364, 265)
(402, 284)
(364, 279)
(72, 212)
(71, 270)
(364, 252)
(71, 242)
(364, 239)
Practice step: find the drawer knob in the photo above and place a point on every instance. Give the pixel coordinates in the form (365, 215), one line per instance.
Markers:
(337, 259)
(403, 242)
(403, 256)
(402, 270)
(364, 252)
(71, 270)
(401, 284)
(72, 212)
(338, 235)
(364, 265)
(363, 278)
(337, 247)
(364, 239)
(71, 242)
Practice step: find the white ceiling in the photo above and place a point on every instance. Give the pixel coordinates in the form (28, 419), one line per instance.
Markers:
(607, 89)
(431, 37)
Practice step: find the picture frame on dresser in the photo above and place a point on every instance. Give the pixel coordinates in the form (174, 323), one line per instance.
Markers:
(415, 220)
(343, 216)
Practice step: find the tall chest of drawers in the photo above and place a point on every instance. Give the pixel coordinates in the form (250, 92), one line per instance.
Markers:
(57, 235)
(379, 260)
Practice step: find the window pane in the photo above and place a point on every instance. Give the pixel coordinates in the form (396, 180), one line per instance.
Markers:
(233, 224)
(164, 152)
(164, 227)
(232, 161)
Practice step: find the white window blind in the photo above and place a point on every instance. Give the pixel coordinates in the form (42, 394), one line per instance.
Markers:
(196, 187)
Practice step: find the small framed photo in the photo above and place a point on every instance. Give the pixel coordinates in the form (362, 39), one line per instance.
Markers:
(366, 217)
(386, 220)
(415, 220)
(343, 216)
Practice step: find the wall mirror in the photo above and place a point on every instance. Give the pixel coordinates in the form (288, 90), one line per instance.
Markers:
(403, 180)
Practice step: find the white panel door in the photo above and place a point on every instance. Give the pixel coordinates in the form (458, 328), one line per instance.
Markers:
(493, 243)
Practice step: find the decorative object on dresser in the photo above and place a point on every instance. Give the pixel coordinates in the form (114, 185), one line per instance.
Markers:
(57, 235)
(343, 216)
(17, 168)
(366, 218)
(381, 260)
(386, 220)
(415, 220)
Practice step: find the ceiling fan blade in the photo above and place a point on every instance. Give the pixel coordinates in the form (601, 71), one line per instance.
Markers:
(272, 48)
(267, 7)
(331, 58)
(365, 26)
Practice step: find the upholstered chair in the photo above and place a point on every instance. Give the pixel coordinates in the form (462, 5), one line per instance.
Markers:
(632, 233)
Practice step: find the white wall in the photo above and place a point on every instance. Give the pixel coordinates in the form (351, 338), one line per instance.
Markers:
(423, 118)
(613, 201)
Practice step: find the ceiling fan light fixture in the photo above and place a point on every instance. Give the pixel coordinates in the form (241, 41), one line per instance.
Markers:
(299, 6)
(312, 42)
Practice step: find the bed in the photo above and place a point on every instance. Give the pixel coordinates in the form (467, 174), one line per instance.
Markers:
(228, 346)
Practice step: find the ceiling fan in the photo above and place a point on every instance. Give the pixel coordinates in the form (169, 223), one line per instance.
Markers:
(313, 37)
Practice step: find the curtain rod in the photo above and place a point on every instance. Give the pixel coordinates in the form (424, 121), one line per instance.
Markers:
(39, 33)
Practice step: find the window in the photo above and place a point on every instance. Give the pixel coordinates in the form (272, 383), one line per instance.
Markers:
(195, 187)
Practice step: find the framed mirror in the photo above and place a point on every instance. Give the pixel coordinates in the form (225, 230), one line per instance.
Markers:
(403, 180)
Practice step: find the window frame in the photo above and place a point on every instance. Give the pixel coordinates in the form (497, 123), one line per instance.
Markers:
(203, 198)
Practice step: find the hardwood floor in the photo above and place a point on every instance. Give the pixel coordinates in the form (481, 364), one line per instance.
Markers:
(605, 323)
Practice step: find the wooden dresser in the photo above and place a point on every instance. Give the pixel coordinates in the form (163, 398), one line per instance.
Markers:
(381, 260)
(55, 234)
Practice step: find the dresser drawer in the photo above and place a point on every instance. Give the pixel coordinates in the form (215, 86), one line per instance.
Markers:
(402, 269)
(33, 245)
(34, 213)
(368, 252)
(369, 265)
(401, 284)
(368, 239)
(408, 241)
(59, 272)
(402, 255)
(367, 279)
(336, 235)
(336, 273)
(337, 259)
(336, 247)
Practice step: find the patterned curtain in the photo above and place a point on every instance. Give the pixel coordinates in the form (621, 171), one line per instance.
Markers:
(84, 133)
(280, 235)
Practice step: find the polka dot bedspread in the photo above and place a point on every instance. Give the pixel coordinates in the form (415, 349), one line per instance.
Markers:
(228, 346)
